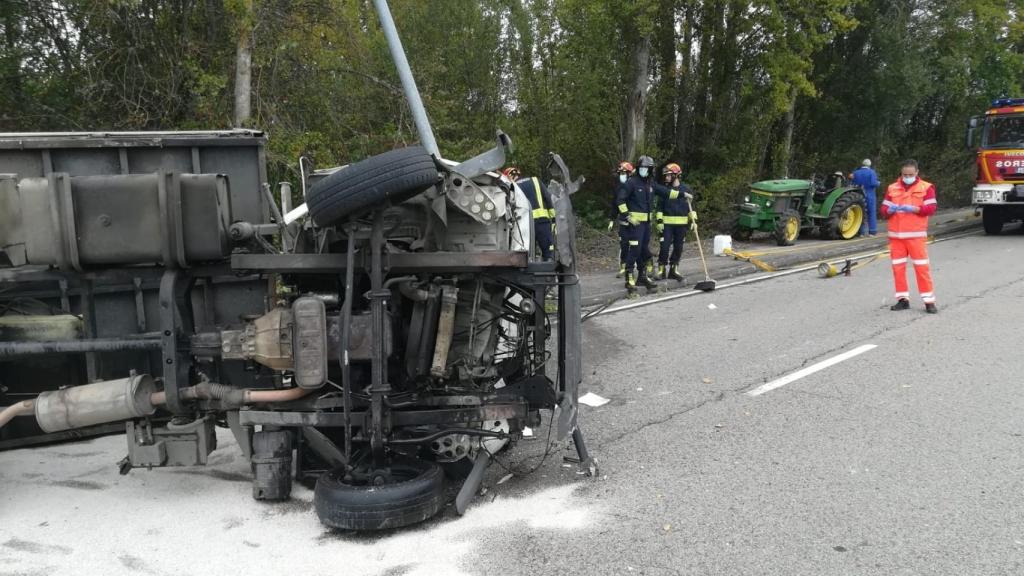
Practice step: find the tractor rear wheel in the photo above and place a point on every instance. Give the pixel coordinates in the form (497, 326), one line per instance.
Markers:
(787, 228)
(846, 217)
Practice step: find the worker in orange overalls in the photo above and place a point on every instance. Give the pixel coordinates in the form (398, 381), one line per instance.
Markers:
(908, 203)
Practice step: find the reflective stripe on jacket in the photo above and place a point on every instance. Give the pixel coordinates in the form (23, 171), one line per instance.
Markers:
(634, 198)
(673, 206)
(540, 200)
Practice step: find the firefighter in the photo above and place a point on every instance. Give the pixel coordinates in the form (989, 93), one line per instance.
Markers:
(633, 201)
(907, 205)
(867, 179)
(622, 174)
(543, 210)
(673, 218)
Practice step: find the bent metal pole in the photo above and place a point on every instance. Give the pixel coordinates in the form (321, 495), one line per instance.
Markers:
(412, 94)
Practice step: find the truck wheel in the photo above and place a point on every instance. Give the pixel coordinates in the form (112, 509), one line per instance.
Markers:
(414, 493)
(846, 216)
(787, 228)
(992, 220)
(391, 177)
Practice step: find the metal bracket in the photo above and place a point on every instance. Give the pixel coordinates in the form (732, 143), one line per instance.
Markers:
(489, 161)
(176, 325)
(561, 186)
(476, 202)
(171, 223)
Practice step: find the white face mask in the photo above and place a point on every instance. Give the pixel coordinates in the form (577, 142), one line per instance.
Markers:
(643, 172)
(908, 180)
(623, 177)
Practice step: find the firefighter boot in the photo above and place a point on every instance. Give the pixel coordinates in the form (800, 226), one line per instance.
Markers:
(645, 281)
(673, 274)
(622, 270)
(659, 273)
(630, 286)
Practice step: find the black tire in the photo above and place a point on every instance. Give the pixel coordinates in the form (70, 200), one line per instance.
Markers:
(417, 495)
(845, 202)
(784, 235)
(391, 177)
(992, 220)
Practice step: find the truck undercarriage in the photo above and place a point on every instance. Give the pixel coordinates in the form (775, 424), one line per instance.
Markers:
(400, 335)
(381, 347)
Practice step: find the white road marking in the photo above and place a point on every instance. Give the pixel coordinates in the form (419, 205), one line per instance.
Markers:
(789, 378)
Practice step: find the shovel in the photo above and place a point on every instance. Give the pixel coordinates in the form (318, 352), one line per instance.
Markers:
(707, 284)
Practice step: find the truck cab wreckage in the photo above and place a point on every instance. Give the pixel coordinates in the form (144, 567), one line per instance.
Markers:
(395, 337)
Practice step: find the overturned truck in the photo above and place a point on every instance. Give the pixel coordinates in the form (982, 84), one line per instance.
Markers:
(389, 335)
(399, 331)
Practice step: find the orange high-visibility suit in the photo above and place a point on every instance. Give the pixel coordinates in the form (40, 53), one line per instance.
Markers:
(908, 233)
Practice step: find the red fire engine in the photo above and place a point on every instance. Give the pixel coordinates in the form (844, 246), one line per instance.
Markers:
(999, 189)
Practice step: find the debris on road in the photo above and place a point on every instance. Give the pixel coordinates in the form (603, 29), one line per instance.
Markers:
(593, 400)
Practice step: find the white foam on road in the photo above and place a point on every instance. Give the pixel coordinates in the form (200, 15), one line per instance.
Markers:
(790, 378)
(64, 510)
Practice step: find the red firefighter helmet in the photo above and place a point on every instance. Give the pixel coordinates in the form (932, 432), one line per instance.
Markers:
(512, 173)
(624, 167)
(672, 168)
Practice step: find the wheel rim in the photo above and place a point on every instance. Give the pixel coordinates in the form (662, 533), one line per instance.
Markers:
(850, 222)
(792, 229)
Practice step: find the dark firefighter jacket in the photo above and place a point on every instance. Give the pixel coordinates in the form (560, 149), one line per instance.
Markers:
(673, 207)
(540, 200)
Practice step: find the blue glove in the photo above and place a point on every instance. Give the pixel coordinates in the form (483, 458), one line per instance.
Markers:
(907, 208)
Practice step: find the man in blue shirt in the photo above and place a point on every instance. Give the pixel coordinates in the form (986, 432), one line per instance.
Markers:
(867, 179)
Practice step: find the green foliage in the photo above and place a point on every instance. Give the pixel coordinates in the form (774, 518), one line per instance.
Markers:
(739, 91)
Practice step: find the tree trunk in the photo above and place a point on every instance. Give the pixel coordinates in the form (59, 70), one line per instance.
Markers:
(211, 16)
(666, 44)
(11, 27)
(636, 105)
(684, 107)
(243, 66)
(722, 76)
(786, 145)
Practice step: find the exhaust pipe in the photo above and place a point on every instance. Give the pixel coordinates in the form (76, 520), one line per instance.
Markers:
(19, 409)
(127, 399)
(97, 403)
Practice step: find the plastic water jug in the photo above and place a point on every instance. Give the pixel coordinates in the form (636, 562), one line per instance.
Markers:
(723, 242)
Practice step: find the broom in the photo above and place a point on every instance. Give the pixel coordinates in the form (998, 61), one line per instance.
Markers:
(706, 285)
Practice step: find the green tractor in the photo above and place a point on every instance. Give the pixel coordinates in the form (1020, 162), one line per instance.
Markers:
(788, 208)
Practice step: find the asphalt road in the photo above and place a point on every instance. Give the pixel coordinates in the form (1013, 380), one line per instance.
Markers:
(905, 459)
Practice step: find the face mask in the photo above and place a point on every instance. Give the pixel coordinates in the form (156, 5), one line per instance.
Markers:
(623, 178)
(642, 172)
(908, 180)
